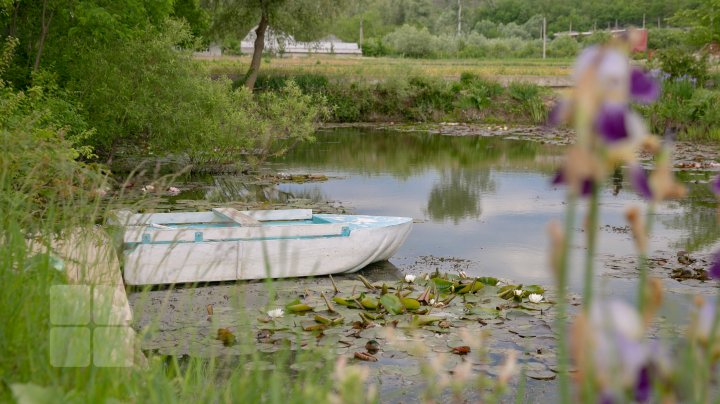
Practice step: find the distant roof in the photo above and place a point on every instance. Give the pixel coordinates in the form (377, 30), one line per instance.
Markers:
(285, 43)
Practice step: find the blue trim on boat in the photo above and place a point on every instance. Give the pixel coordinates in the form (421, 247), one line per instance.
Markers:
(146, 239)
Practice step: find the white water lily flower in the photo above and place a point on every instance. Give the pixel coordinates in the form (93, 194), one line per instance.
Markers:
(518, 292)
(276, 313)
(409, 278)
(535, 298)
(432, 302)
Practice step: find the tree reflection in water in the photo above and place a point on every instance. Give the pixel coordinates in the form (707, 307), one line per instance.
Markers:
(456, 195)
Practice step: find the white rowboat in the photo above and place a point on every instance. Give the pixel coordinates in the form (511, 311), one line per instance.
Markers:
(226, 244)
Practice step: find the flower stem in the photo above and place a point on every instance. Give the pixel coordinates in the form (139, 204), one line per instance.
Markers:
(561, 320)
(591, 244)
(706, 381)
(643, 259)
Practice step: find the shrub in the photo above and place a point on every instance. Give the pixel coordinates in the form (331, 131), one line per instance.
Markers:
(374, 47)
(596, 38)
(410, 41)
(477, 92)
(664, 38)
(146, 92)
(41, 178)
(678, 63)
(529, 100)
(563, 46)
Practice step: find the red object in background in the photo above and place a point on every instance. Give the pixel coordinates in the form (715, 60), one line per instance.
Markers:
(641, 44)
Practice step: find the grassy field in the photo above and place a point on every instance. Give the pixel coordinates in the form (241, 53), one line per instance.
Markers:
(382, 68)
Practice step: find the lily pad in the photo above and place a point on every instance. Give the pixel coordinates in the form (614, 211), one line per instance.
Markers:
(392, 304)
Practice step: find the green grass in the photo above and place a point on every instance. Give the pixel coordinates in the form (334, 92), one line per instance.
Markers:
(381, 68)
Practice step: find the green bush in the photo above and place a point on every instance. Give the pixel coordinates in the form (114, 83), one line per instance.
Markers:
(374, 47)
(664, 38)
(563, 46)
(529, 100)
(679, 63)
(477, 92)
(596, 38)
(41, 178)
(307, 82)
(410, 41)
(147, 93)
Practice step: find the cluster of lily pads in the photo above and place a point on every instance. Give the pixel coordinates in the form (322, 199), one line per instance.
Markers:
(435, 302)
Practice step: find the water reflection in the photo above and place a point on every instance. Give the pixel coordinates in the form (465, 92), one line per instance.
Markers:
(229, 188)
(456, 194)
(482, 199)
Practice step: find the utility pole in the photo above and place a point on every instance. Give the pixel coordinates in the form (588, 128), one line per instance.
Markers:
(459, 27)
(643, 20)
(544, 36)
(361, 31)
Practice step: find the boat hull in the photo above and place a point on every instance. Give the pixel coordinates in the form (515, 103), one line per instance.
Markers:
(341, 244)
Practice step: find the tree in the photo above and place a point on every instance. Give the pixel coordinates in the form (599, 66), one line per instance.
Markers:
(303, 19)
(705, 21)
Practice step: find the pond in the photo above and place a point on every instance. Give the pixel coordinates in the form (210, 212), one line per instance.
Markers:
(486, 201)
(481, 205)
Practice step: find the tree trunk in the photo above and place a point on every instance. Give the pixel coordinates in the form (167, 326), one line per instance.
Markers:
(459, 18)
(44, 28)
(252, 74)
(13, 24)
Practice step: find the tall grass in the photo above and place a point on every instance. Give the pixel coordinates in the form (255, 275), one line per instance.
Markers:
(381, 68)
(421, 98)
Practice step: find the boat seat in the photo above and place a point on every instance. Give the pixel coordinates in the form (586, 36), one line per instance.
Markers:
(237, 217)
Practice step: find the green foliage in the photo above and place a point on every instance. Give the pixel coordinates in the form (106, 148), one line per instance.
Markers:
(505, 19)
(374, 47)
(197, 18)
(419, 98)
(703, 18)
(154, 96)
(689, 109)
(664, 38)
(529, 100)
(410, 41)
(677, 62)
(563, 46)
(477, 92)
(40, 176)
(597, 38)
(280, 120)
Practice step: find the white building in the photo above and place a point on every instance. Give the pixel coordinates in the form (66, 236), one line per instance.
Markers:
(282, 44)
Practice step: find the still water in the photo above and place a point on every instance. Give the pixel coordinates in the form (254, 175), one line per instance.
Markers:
(481, 205)
(486, 200)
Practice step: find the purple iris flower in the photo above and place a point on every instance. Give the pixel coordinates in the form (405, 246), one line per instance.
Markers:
(586, 186)
(715, 266)
(610, 123)
(643, 385)
(643, 87)
(640, 182)
(556, 115)
(715, 185)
